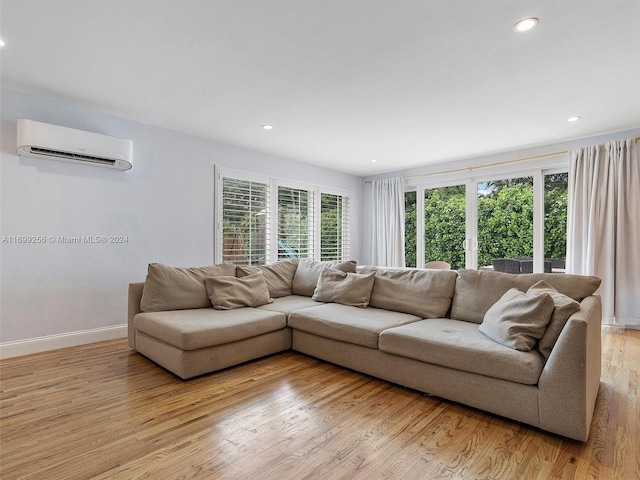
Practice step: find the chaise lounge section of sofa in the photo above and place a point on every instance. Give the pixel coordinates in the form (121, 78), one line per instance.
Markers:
(454, 334)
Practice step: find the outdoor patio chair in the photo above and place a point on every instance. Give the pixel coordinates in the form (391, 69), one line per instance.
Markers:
(526, 266)
(507, 265)
(557, 262)
(438, 264)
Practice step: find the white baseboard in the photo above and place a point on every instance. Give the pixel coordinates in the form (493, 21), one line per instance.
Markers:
(63, 340)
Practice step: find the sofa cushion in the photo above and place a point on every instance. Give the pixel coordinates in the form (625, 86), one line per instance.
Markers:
(518, 320)
(477, 290)
(308, 271)
(426, 293)
(279, 276)
(345, 288)
(460, 345)
(173, 288)
(564, 308)
(348, 324)
(288, 304)
(206, 327)
(227, 293)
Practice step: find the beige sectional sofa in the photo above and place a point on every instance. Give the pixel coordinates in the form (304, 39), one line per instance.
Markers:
(526, 347)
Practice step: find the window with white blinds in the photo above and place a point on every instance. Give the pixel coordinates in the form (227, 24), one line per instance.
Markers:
(263, 219)
(245, 221)
(334, 227)
(296, 223)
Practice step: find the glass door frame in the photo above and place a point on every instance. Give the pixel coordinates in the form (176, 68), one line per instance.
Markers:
(471, 181)
(420, 193)
(471, 242)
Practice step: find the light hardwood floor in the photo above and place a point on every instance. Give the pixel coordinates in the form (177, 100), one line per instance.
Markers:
(102, 411)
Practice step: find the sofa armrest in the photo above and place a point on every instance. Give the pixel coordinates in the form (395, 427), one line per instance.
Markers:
(569, 382)
(135, 295)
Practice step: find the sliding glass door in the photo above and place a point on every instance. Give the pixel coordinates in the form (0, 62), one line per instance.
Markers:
(511, 223)
(439, 215)
(410, 228)
(556, 187)
(444, 225)
(505, 224)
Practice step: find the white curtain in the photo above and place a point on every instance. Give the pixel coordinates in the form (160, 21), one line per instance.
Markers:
(603, 225)
(387, 222)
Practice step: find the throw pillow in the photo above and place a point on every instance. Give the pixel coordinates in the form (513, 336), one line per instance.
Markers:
(426, 293)
(227, 293)
(308, 271)
(564, 308)
(172, 288)
(279, 276)
(518, 319)
(345, 288)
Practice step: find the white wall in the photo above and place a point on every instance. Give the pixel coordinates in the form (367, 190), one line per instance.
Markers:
(164, 206)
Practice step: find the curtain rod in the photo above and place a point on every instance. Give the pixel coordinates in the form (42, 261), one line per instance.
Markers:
(506, 162)
(468, 169)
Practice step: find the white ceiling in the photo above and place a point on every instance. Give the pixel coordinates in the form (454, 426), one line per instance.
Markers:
(343, 82)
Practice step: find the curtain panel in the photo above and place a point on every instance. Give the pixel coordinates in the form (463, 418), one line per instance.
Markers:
(387, 222)
(603, 225)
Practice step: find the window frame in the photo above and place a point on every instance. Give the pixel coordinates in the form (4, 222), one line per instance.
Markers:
(470, 179)
(344, 246)
(219, 214)
(311, 214)
(275, 183)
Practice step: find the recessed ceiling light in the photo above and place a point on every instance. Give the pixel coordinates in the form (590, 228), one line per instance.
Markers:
(1, 43)
(267, 127)
(374, 161)
(575, 118)
(525, 24)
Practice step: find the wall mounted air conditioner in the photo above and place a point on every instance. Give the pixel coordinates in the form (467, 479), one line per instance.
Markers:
(43, 140)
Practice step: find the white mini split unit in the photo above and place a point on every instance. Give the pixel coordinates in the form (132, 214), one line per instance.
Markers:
(42, 140)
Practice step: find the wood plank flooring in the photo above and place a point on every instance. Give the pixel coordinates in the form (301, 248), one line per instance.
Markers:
(102, 411)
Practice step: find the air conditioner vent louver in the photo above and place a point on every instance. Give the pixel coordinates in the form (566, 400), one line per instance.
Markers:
(70, 156)
(52, 142)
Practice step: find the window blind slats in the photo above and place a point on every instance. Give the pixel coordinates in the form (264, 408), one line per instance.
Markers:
(334, 227)
(253, 228)
(296, 223)
(245, 221)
